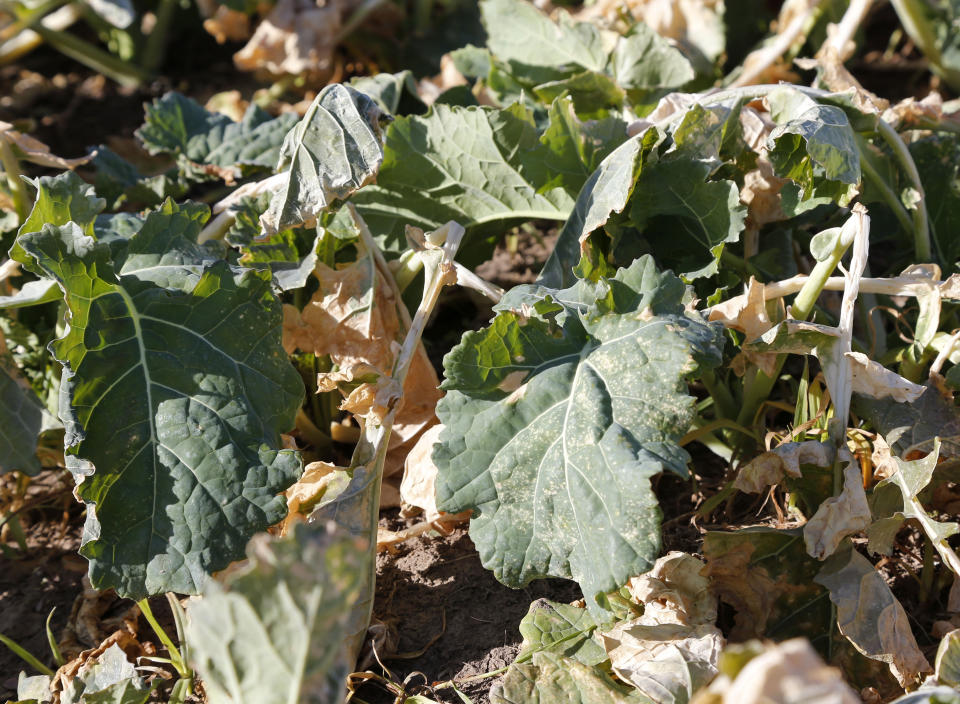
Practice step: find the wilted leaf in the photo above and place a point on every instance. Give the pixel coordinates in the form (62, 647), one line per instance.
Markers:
(558, 469)
(549, 678)
(666, 662)
(35, 151)
(773, 466)
(273, 632)
(111, 679)
(675, 591)
(870, 616)
(839, 516)
(418, 487)
(789, 673)
(334, 150)
(187, 389)
(766, 575)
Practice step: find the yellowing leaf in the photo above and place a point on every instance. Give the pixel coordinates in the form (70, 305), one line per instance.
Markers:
(418, 487)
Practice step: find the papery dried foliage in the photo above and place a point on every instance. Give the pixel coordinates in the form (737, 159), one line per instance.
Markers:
(839, 516)
(748, 314)
(35, 151)
(772, 467)
(297, 38)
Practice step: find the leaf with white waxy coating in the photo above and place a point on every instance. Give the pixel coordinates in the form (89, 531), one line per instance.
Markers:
(272, 634)
(173, 402)
(333, 151)
(548, 678)
(553, 428)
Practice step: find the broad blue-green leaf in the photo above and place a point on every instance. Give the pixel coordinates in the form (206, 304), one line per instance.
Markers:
(280, 253)
(938, 162)
(947, 667)
(463, 164)
(272, 634)
(21, 419)
(212, 143)
(394, 93)
(814, 146)
(333, 151)
(538, 49)
(606, 192)
(593, 93)
(643, 61)
(553, 430)
(119, 181)
(173, 402)
(549, 678)
(563, 629)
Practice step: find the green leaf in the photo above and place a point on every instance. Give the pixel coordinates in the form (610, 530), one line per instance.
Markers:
(212, 143)
(464, 164)
(21, 419)
(119, 181)
(394, 93)
(814, 146)
(33, 293)
(554, 428)
(333, 151)
(562, 629)
(550, 678)
(706, 215)
(869, 615)
(60, 199)
(938, 162)
(643, 61)
(173, 402)
(538, 49)
(272, 633)
(112, 679)
(592, 93)
(948, 660)
(279, 253)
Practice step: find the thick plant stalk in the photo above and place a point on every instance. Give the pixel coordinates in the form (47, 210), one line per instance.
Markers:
(840, 39)
(761, 59)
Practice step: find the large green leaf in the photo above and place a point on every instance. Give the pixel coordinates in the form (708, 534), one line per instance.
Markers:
(211, 143)
(334, 150)
(21, 419)
(173, 401)
(938, 162)
(538, 49)
(643, 61)
(272, 634)
(471, 165)
(563, 629)
(555, 424)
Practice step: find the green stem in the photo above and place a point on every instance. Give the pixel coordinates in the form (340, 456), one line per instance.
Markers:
(26, 656)
(921, 220)
(155, 48)
(175, 658)
(913, 17)
(408, 266)
(92, 56)
(52, 641)
(18, 189)
(26, 20)
(179, 619)
(886, 192)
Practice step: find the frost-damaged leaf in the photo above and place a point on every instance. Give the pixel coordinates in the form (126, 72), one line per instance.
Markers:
(334, 150)
(536, 48)
(21, 418)
(272, 633)
(549, 678)
(773, 466)
(110, 679)
(173, 402)
(667, 662)
(472, 165)
(418, 487)
(33, 150)
(562, 629)
(839, 516)
(767, 576)
(870, 616)
(789, 673)
(210, 142)
(554, 428)
(814, 146)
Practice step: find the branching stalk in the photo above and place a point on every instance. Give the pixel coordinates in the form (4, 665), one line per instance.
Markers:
(176, 659)
(921, 220)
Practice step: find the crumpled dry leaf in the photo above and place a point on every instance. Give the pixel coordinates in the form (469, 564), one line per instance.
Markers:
(787, 673)
(89, 623)
(418, 488)
(748, 314)
(667, 662)
(35, 151)
(297, 38)
(675, 591)
(772, 467)
(761, 186)
(911, 113)
(353, 317)
(839, 516)
(74, 668)
(317, 479)
(870, 616)
(749, 589)
(228, 25)
(667, 105)
(837, 79)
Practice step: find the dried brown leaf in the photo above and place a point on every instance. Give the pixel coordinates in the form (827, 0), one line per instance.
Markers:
(418, 487)
(35, 151)
(749, 589)
(839, 516)
(772, 467)
(228, 25)
(675, 591)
